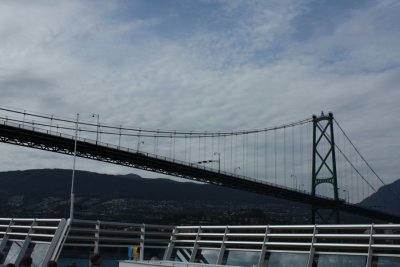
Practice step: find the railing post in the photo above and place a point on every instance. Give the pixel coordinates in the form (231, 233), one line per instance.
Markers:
(168, 251)
(264, 248)
(223, 246)
(97, 237)
(195, 245)
(370, 250)
(5, 236)
(142, 236)
(60, 236)
(25, 245)
(56, 244)
(312, 248)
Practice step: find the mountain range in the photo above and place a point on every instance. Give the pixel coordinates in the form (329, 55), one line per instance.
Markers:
(386, 199)
(44, 193)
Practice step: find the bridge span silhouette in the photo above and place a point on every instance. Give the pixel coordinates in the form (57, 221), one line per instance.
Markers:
(46, 135)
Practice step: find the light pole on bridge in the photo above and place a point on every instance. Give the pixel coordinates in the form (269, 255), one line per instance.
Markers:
(235, 169)
(138, 145)
(301, 187)
(98, 125)
(213, 160)
(346, 195)
(219, 160)
(294, 180)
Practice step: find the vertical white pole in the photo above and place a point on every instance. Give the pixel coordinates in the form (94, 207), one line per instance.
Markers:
(71, 212)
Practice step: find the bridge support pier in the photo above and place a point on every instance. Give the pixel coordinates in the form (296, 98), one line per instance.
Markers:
(324, 166)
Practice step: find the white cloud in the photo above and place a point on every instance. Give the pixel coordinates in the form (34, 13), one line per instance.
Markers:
(239, 66)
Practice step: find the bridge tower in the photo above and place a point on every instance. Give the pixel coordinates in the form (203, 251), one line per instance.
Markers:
(324, 166)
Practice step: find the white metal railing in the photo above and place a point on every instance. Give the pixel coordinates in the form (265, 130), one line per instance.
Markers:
(365, 241)
(213, 245)
(102, 234)
(19, 237)
(37, 237)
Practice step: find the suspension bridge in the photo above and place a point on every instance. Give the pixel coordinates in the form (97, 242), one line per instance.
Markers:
(305, 161)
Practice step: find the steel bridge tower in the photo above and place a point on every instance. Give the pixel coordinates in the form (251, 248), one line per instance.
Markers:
(324, 166)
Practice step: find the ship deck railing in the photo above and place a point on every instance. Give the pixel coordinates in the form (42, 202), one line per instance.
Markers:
(235, 245)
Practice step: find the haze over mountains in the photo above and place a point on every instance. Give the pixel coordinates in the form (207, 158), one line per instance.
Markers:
(46, 193)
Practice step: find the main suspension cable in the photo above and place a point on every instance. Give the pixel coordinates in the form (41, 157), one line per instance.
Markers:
(157, 133)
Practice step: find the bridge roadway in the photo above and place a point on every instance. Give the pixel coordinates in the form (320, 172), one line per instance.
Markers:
(61, 143)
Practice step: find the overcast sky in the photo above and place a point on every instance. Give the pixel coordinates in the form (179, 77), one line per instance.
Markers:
(204, 65)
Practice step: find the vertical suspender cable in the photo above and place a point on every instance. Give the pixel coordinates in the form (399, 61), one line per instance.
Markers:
(236, 152)
(247, 155)
(219, 152)
(154, 150)
(301, 156)
(284, 155)
(212, 150)
(257, 155)
(275, 157)
(185, 145)
(293, 165)
(231, 153)
(205, 146)
(243, 144)
(190, 147)
(224, 146)
(254, 156)
(170, 146)
(266, 155)
(199, 159)
(243, 139)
